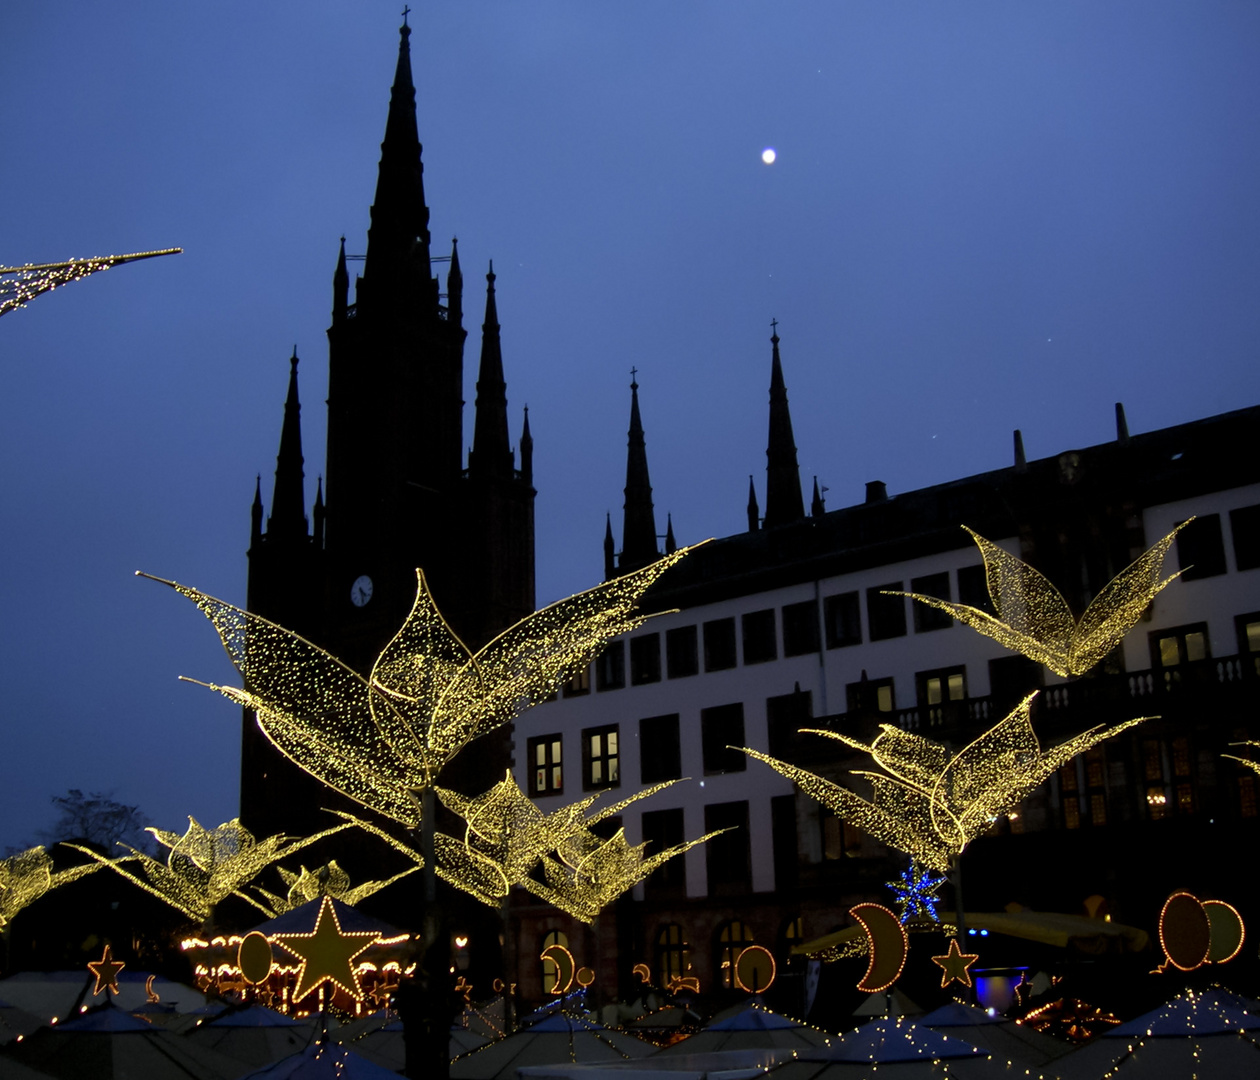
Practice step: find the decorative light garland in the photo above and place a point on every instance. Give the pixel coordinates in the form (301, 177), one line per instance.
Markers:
(21, 284)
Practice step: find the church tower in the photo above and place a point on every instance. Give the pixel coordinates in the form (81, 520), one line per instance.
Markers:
(395, 495)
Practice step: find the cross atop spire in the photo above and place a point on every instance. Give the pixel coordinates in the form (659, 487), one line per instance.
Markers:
(406, 12)
(634, 378)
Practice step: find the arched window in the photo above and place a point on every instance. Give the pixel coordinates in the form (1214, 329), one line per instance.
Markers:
(550, 969)
(791, 934)
(733, 938)
(673, 954)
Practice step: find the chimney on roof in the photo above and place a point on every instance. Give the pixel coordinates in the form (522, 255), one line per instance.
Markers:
(876, 491)
(1122, 425)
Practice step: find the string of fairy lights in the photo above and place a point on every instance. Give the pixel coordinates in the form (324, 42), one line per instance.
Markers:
(21, 284)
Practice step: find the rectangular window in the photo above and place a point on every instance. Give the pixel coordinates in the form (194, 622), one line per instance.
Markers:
(785, 716)
(871, 696)
(973, 588)
(1067, 777)
(664, 829)
(885, 615)
(660, 757)
(928, 618)
(721, 727)
(783, 838)
(601, 758)
(1185, 798)
(1072, 811)
(1096, 767)
(681, 652)
(842, 615)
(1098, 808)
(727, 856)
(1181, 756)
(719, 644)
(1156, 802)
(1152, 760)
(1200, 550)
(759, 642)
(800, 628)
(1248, 629)
(1179, 645)
(579, 684)
(1244, 523)
(645, 659)
(546, 776)
(941, 686)
(610, 668)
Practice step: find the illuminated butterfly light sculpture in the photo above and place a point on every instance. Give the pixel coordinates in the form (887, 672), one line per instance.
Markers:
(383, 740)
(27, 875)
(931, 803)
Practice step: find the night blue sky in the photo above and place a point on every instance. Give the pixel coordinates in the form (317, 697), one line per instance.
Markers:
(983, 216)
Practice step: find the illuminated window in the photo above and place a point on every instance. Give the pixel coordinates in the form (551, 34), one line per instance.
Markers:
(1179, 645)
(719, 644)
(1152, 760)
(1067, 777)
(1185, 798)
(610, 668)
(645, 659)
(1181, 756)
(928, 618)
(579, 684)
(673, 954)
(800, 628)
(760, 645)
(886, 615)
(602, 757)
(1156, 803)
(681, 655)
(546, 776)
(842, 615)
(1096, 767)
(1248, 628)
(733, 939)
(938, 687)
(550, 969)
(871, 695)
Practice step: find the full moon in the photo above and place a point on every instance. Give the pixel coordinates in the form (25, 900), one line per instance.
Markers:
(768, 155)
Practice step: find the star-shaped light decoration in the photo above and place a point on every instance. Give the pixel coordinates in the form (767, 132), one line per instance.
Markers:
(106, 970)
(955, 965)
(327, 953)
(1033, 618)
(915, 893)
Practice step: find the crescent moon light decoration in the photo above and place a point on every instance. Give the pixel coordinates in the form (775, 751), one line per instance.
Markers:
(887, 943)
(565, 965)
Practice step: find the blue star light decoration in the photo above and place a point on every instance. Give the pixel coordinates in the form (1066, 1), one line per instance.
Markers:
(915, 893)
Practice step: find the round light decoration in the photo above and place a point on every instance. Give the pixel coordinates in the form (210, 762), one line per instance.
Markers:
(755, 969)
(254, 957)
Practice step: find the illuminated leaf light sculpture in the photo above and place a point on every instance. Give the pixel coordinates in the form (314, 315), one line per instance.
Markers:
(507, 837)
(930, 803)
(26, 876)
(205, 866)
(21, 284)
(381, 739)
(327, 880)
(1033, 618)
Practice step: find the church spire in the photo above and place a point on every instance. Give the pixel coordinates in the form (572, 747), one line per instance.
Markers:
(671, 545)
(817, 507)
(341, 286)
(754, 511)
(455, 287)
(398, 238)
(288, 502)
(638, 535)
(527, 451)
(783, 479)
(491, 453)
(610, 550)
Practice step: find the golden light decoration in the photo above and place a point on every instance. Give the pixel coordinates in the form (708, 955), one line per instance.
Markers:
(26, 876)
(932, 804)
(327, 953)
(886, 945)
(565, 968)
(327, 880)
(21, 284)
(507, 837)
(1033, 618)
(755, 969)
(205, 866)
(955, 965)
(106, 970)
(381, 739)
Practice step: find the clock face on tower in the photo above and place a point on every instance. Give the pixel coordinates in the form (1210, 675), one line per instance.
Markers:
(361, 590)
